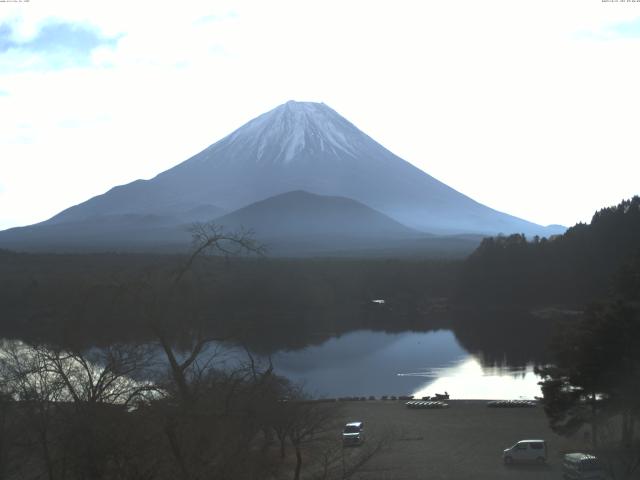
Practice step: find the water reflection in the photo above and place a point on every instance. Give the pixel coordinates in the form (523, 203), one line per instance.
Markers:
(364, 363)
(468, 379)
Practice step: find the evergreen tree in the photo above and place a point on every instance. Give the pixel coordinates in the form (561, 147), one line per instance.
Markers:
(596, 374)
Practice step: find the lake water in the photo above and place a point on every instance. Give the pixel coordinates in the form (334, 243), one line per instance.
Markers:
(364, 363)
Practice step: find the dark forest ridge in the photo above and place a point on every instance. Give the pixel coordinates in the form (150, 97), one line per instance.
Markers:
(583, 264)
(296, 146)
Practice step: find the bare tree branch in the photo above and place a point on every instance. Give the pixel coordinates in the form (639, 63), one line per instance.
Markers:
(210, 238)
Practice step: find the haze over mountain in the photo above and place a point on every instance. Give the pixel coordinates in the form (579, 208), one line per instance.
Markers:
(291, 213)
(304, 222)
(298, 146)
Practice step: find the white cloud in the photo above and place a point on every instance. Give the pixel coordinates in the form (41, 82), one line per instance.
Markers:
(524, 106)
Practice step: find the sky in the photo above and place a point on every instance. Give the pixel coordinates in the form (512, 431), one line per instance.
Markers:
(529, 107)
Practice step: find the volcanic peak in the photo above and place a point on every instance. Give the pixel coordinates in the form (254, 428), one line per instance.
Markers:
(296, 127)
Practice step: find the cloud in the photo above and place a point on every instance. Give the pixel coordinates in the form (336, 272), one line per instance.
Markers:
(622, 27)
(5, 37)
(626, 29)
(55, 45)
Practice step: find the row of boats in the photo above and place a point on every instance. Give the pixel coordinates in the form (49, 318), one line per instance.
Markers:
(492, 404)
(426, 404)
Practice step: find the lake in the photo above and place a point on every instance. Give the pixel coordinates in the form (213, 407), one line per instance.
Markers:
(364, 363)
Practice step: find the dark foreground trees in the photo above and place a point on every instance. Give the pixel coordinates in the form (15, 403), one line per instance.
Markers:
(68, 408)
(597, 370)
(166, 409)
(595, 379)
(96, 414)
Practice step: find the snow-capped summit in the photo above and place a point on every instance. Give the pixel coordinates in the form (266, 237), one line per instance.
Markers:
(290, 132)
(297, 146)
(296, 127)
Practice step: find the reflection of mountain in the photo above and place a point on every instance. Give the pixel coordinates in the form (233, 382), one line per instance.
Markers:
(496, 337)
(368, 363)
(365, 362)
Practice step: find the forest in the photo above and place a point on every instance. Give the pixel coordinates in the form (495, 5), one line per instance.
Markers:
(274, 302)
(570, 269)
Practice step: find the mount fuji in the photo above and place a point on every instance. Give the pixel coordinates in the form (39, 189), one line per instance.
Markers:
(298, 146)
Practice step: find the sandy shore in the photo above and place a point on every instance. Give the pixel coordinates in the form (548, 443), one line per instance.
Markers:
(464, 441)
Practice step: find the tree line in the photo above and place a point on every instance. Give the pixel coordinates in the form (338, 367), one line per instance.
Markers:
(271, 303)
(569, 269)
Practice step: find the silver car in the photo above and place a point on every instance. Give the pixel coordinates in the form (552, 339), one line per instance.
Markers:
(353, 433)
(526, 451)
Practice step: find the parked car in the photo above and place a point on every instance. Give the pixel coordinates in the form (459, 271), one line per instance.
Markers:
(583, 466)
(526, 451)
(353, 433)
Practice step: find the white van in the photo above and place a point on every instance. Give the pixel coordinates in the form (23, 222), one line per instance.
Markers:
(526, 451)
(582, 466)
(353, 433)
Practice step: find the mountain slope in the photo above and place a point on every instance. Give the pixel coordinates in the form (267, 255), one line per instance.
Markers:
(304, 146)
(301, 224)
(293, 224)
(302, 214)
(125, 232)
(111, 231)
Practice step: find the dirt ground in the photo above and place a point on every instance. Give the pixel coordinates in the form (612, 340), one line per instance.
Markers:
(464, 441)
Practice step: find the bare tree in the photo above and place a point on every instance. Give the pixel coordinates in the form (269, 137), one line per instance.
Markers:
(312, 426)
(211, 239)
(74, 404)
(207, 239)
(24, 375)
(101, 376)
(198, 415)
(308, 421)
